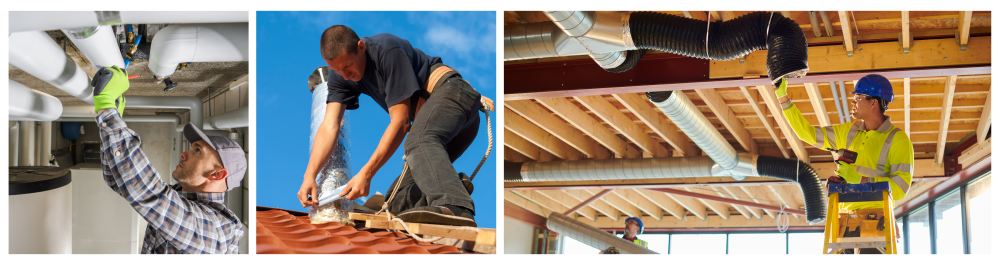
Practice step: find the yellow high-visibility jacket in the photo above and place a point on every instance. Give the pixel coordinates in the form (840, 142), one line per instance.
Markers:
(880, 158)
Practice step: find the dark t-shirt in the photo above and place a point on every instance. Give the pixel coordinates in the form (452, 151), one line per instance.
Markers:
(394, 70)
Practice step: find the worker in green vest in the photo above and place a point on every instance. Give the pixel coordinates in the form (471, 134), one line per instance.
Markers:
(633, 227)
(879, 150)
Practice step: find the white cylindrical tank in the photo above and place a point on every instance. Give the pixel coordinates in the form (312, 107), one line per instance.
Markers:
(41, 210)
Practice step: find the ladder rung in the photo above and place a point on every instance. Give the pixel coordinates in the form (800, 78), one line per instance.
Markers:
(861, 239)
(857, 245)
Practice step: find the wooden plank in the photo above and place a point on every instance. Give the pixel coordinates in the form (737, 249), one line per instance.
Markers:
(640, 202)
(985, 120)
(847, 33)
(445, 231)
(569, 202)
(725, 192)
(588, 125)
(598, 205)
(664, 202)
(367, 217)
(513, 155)
(728, 118)
(714, 16)
(787, 14)
(905, 40)
(761, 112)
(767, 92)
(520, 201)
(529, 131)
(709, 222)
(551, 124)
(618, 203)
(727, 15)
(906, 103)
(522, 146)
(758, 196)
(541, 200)
(719, 208)
(964, 22)
(975, 153)
(817, 102)
(614, 117)
(876, 56)
(949, 97)
(699, 210)
(786, 195)
(653, 118)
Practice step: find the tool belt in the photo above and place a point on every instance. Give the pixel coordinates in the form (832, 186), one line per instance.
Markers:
(439, 74)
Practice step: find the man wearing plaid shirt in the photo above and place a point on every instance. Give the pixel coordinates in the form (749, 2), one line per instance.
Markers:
(189, 217)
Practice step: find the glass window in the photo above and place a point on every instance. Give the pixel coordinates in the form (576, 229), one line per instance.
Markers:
(902, 236)
(769, 243)
(571, 246)
(698, 244)
(920, 232)
(948, 224)
(979, 215)
(657, 242)
(805, 243)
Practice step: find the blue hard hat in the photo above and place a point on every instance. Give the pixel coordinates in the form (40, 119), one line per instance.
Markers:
(637, 221)
(874, 85)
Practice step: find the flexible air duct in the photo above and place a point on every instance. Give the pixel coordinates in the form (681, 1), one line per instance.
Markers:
(180, 43)
(36, 54)
(591, 236)
(98, 44)
(50, 20)
(683, 113)
(787, 53)
(336, 170)
(30, 105)
(612, 169)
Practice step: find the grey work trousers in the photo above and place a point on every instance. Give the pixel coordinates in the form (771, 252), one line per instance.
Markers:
(443, 129)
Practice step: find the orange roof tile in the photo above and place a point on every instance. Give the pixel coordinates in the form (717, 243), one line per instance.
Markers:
(289, 232)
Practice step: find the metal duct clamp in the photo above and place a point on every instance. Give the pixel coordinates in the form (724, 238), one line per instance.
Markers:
(170, 84)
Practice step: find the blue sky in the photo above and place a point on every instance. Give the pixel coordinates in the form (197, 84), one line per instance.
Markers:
(288, 51)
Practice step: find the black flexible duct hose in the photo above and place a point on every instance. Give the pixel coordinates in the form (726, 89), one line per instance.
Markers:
(784, 40)
(512, 171)
(632, 58)
(809, 182)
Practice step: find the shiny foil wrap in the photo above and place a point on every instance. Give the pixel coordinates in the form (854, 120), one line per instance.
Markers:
(335, 173)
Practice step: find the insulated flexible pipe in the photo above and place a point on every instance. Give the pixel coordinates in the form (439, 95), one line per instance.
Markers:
(612, 169)
(98, 44)
(592, 236)
(51, 20)
(787, 53)
(36, 53)
(180, 43)
(30, 105)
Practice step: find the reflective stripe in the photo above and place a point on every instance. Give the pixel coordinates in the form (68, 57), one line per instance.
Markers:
(641, 243)
(850, 134)
(830, 136)
(819, 138)
(904, 167)
(864, 171)
(786, 105)
(885, 150)
(900, 182)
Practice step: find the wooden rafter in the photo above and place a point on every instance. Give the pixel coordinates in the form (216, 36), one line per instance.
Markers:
(569, 202)
(541, 200)
(728, 118)
(985, 120)
(520, 201)
(906, 39)
(618, 203)
(614, 117)
(656, 121)
(599, 205)
(551, 124)
(817, 102)
(727, 15)
(787, 196)
(845, 27)
(964, 22)
(906, 104)
(768, 122)
(949, 99)
(767, 92)
(725, 193)
(698, 209)
(664, 202)
(532, 133)
(524, 147)
(758, 196)
(719, 208)
(641, 202)
(579, 119)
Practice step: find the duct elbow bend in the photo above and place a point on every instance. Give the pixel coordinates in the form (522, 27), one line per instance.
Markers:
(801, 173)
(180, 43)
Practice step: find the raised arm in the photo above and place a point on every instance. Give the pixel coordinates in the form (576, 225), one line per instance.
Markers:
(326, 139)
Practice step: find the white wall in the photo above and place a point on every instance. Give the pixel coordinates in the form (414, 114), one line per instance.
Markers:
(517, 236)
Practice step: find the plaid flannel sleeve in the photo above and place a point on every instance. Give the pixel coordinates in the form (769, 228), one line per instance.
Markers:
(186, 225)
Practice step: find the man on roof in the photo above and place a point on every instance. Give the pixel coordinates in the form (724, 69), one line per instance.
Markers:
(189, 217)
(884, 152)
(425, 99)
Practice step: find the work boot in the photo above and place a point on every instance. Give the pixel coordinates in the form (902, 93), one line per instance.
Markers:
(442, 215)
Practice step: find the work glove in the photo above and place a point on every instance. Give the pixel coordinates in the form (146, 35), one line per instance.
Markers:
(848, 172)
(109, 84)
(782, 89)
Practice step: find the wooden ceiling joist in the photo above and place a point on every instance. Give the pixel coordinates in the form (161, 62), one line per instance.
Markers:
(617, 202)
(610, 114)
(949, 96)
(767, 92)
(728, 119)
(641, 202)
(964, 22)
(663, 201)
(588, 125)
(762, 114)
(532, 133)
(653, 118)
(551, 124)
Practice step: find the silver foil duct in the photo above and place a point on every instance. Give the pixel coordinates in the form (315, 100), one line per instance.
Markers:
(335, 173)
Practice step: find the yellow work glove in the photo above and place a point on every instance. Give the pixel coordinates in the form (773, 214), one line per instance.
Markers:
(782, 89)
(848, 172)
(109, 85)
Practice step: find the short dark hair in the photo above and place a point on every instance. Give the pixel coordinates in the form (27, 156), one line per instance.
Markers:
(882, 103)
(336, 39)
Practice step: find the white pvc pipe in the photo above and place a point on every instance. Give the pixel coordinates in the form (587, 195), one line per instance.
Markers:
(836, 101)
(31, 105)
(237, 118)
(27, 149)
(46, 144)
(12, 142)
(843, 100)
(101, 47)
(198, 43)
(192, 103)
(36, 53)
(51, 20)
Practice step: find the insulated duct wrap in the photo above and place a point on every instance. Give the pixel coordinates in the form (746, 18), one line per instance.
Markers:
(612, 169)
(591, 236)
(787, 53)
(335, 173)
(802, 173)
(683, 113)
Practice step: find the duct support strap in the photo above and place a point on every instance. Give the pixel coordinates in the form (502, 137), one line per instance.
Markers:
(336, 171)
(592, 236)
